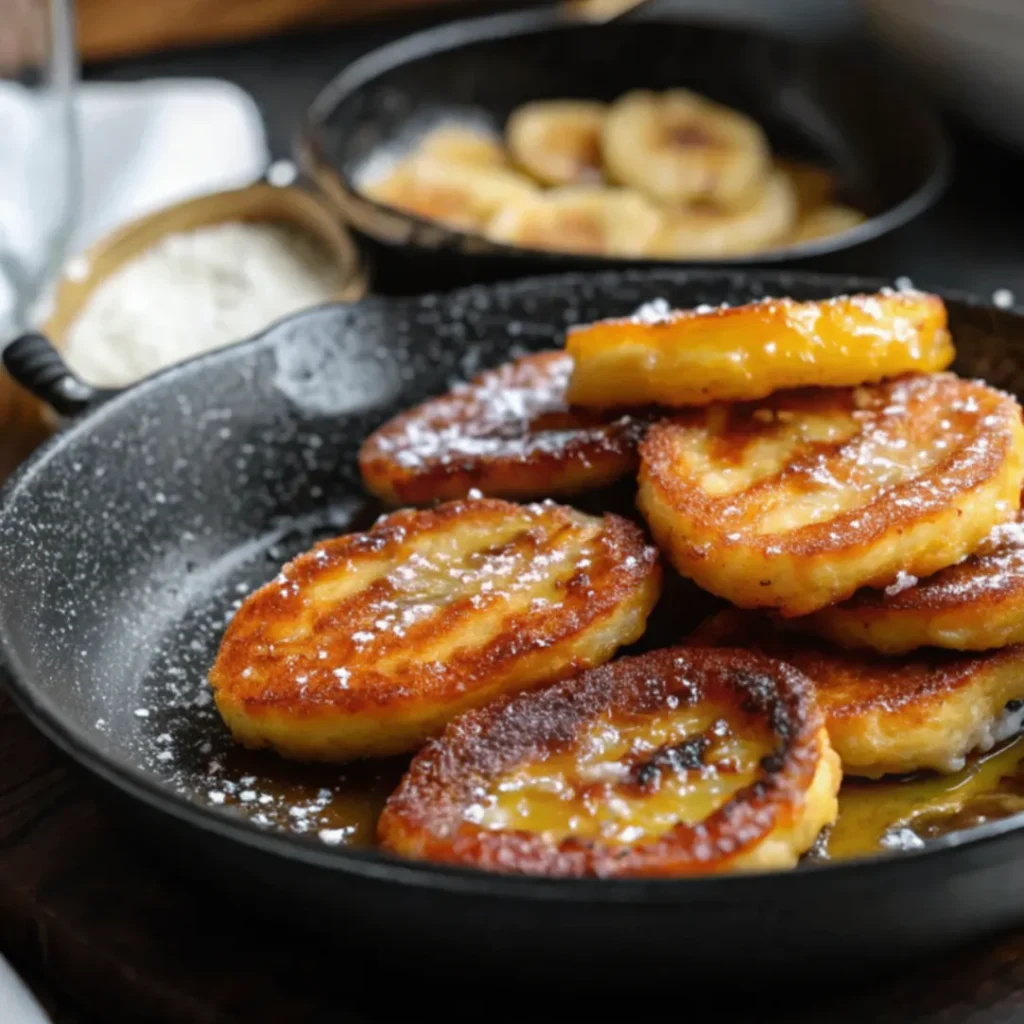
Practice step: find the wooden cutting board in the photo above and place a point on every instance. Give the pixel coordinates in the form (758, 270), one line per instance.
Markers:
(108, 29)
(85, 910)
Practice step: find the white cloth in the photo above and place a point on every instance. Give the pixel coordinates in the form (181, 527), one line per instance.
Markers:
(150, 144)
(144, 145)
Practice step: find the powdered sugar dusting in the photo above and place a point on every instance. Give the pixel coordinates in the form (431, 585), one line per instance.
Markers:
(181, 738)
(903, 581)
(468, 582)
(513, 414)
(657, 311)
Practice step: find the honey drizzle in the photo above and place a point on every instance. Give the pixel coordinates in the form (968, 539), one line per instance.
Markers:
(873, 816)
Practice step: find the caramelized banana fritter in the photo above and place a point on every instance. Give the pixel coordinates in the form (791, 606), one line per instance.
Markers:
(795, 502)
(679, 148)
(826, 222)
(463, 144)
(888, 715)
(975, 605)
(509, 433)
(813, 186)
(818, 213)
(369, 643)
(705, 231)
(558, 142)
(671, 357)
(581, 218)
(677, 762)
(464, 196)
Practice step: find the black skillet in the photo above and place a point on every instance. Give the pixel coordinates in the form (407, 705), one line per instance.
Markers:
(885, 145)
(128, 539)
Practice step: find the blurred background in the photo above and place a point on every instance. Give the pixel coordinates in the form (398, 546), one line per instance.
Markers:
(185, 97)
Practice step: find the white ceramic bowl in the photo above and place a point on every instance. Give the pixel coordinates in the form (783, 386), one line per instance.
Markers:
(969, 52)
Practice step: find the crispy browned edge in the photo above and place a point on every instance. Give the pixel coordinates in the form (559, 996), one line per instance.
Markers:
(918, 680)
(733, 316)
(973, 586)
(961, 472)
(424, 816)
(581, 464)
(590, 597)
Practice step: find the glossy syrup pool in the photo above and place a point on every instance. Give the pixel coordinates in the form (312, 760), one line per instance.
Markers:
(181, 739)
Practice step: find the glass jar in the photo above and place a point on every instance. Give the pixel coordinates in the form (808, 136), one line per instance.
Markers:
(39, 152)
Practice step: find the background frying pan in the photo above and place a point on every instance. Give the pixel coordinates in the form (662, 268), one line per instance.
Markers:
(839, 110)
(128, 539)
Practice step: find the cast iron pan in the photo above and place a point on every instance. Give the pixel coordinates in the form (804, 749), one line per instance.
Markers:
(127, 541)
(886, 145)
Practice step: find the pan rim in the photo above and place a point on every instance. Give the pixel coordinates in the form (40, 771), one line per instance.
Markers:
(74, 740)
(432, 42)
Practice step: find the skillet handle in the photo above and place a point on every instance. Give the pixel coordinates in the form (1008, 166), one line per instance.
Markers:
(38, 367)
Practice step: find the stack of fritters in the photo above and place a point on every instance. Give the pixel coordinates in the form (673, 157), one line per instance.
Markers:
(811, 463)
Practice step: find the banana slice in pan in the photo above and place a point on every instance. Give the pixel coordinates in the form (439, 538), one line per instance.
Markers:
(370, 643)
(680, 148)
(462, 144)
(464, 196)
(926, 710)
(508, 433)
(705, 231)
(693, 357)
(558, 142)
(818, 214)
(677, 762)
(796, 502)
(826, 221)
(813, 186)
(975, 605)
(583, 219)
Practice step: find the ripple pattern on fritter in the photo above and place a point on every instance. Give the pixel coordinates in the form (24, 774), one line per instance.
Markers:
(796, 502)
(677, 762)
(371, 642)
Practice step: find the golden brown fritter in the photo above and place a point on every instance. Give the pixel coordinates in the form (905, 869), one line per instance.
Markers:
(704, 231)
(679, 148)
(558, 142)
(463, 144)
(740, 353)
(889, 715)
(464, 196)
(593, 219)
(370, 643)
(677, 762)
(975, 605)
(826, 222)
(509, 433)
(795, 502)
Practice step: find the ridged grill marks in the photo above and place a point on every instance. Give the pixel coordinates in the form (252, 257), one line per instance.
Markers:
(492, 595)
(577, 741)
